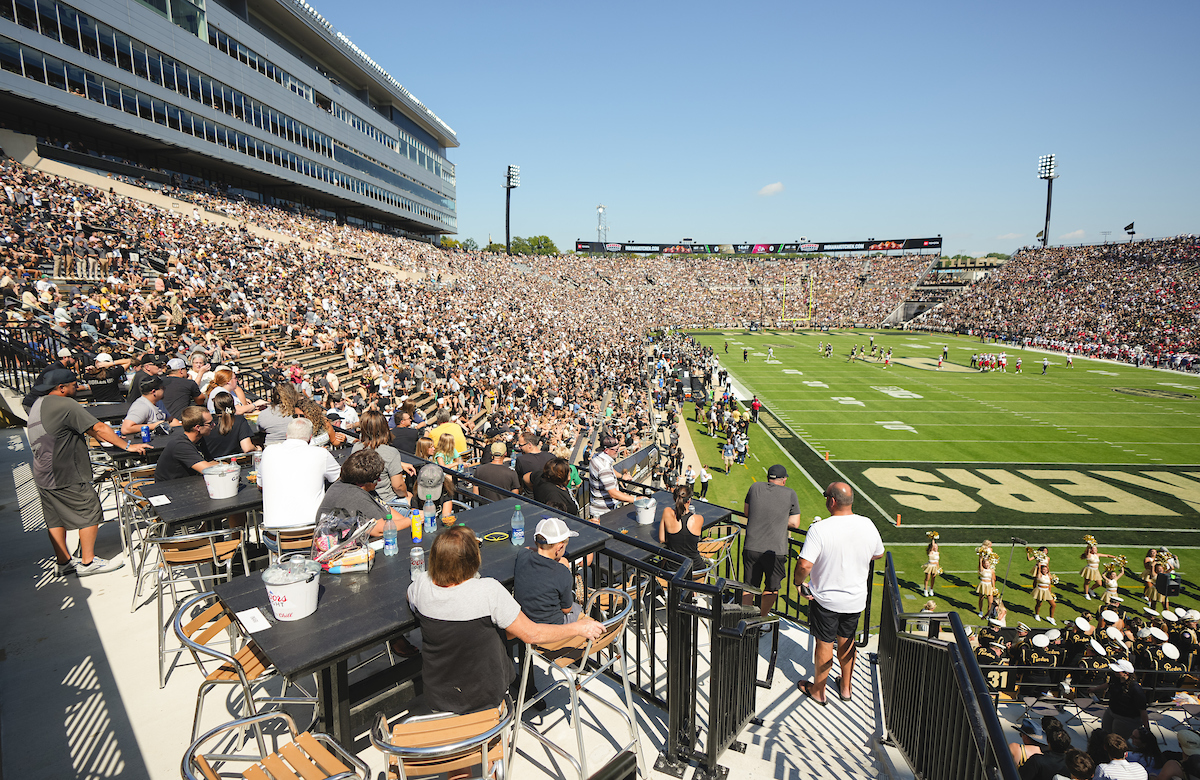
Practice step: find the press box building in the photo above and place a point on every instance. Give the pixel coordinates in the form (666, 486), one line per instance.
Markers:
(263, 96)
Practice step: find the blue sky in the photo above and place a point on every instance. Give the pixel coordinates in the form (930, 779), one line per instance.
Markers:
(882, 120)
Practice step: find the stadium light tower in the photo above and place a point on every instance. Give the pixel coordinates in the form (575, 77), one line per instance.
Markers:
(512, 180)
(1046, 171)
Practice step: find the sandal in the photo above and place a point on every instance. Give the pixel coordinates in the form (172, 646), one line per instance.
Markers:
(805, 687)
(837, 683)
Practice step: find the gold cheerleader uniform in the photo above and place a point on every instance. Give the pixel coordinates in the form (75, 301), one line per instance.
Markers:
(1041, 588)
(932, 567)
(1151, 591)
(987, 583)
(1091, 572)
(1110, 592)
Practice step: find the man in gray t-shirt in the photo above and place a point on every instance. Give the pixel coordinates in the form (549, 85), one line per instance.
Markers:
(62, 471)
(771, 509)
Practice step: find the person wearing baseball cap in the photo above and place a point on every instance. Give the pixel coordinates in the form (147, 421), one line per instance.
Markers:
(62, 471)
(542, 581)
(605, 491)
(496, 472)
(66, 362)
(771, 509)
(179, 392)
(104, 378)
(149, 366)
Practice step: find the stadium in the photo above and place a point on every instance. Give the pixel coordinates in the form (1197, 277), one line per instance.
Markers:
(239, 187)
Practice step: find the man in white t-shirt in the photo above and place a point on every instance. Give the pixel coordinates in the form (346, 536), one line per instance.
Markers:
(837, 553)
(292, 475)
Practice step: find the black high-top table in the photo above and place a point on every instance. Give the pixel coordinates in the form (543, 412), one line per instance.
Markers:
(358, 611)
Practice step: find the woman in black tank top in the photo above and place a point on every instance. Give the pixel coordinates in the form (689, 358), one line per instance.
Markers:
(680, 529)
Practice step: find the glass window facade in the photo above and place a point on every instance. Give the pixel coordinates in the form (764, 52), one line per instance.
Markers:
(67, 25)
(41, 67)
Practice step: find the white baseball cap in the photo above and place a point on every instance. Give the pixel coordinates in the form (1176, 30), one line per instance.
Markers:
(553, 530)
(103, 357)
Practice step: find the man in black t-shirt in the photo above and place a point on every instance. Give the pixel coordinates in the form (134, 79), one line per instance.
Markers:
(496, 473)
(186, 454)
(404, 436)
(150, 366)
(533, 459)
(178, 391)
(542, 580)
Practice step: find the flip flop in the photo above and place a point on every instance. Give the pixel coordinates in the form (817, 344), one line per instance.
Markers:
(804, 686)
(837, 683)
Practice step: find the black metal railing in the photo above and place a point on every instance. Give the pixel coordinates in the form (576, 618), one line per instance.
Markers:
(937, 709)
(731, 685)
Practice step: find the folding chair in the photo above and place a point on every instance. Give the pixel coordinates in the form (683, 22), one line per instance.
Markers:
(282, 541)
(577, 660)
(312, 756)
(446, 744)
(180, 559)
(716, 549)
(245, 668)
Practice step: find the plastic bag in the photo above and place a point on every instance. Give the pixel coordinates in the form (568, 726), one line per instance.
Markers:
(337, 535)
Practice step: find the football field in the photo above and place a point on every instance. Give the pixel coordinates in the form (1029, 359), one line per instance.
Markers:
(1097, 448)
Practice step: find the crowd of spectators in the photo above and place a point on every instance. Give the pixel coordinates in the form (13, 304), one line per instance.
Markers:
(1137, 302)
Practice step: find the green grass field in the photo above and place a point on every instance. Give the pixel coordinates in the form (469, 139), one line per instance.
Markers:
(1098, 448)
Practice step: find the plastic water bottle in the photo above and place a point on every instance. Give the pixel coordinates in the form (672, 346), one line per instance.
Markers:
(391, 543)
(518, 527)
(430, 512)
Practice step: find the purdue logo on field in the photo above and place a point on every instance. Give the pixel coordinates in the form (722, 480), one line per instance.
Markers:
(1048, 490)
(1150, 392)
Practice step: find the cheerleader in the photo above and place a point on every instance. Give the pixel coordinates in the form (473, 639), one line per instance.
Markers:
(1091, 572)
(1038, 556)
(1148, 591)
(1042, 584)
(987, 580)
(932, 569)
(1112, 573)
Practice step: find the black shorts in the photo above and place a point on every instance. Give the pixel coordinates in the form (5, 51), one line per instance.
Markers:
(769, 565)
(826, 625)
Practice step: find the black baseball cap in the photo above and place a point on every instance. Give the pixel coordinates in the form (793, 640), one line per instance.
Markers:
(59, 376)
(777, 472)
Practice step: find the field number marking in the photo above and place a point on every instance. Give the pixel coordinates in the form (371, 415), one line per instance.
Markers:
(812, 383)
(846, 400)
(897, 392)
(793, 372)
(895, 425)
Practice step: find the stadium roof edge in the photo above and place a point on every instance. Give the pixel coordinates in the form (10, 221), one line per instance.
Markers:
(354, 58)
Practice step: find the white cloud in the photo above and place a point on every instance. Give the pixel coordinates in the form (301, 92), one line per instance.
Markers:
(1072, 235)
(1010, 236)
(771, 189)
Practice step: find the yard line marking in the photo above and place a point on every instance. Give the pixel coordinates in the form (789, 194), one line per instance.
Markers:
(977, 526)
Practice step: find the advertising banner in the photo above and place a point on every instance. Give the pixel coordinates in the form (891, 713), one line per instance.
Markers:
(808, 247)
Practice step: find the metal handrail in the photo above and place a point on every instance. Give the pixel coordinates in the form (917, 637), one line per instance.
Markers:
(922, 675)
